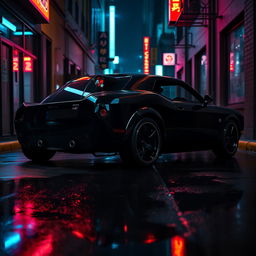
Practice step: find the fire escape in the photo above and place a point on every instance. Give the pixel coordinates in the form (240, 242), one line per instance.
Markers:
(194, 13)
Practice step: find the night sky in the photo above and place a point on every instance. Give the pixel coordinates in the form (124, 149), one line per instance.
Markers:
(129, 27)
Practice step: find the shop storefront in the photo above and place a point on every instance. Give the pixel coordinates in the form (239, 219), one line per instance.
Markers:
(19, 65)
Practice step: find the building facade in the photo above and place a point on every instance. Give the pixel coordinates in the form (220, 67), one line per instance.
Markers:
(43, 44)
(215, 50)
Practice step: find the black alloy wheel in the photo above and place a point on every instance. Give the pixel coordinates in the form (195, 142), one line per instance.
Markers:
(230, 139)
(144, 145)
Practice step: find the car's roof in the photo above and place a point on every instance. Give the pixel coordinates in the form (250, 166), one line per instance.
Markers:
(143, 76)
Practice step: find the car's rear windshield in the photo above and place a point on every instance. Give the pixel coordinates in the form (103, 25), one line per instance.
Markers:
(79, 88)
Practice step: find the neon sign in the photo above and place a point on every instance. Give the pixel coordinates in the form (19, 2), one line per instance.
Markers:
(28, 64)
(175, 8)
(146, 48)
(43, 7)
(15, 63)
(231, 62)
(169, 59)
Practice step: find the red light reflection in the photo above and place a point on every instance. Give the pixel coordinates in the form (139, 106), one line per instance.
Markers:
(150, 238)
(178, 246)
(78, 234)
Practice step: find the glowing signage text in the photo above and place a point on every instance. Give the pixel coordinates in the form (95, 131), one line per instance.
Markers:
(146, 48)
(174, 7)
(28, 64)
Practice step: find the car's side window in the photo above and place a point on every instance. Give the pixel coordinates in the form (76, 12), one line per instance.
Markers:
(177, 93)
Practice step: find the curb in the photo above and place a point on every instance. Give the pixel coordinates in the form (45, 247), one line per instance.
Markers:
(9, 146)
(14, 145)
(247, 145)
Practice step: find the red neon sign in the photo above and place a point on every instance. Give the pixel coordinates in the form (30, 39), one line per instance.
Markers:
(146, 49)
(174, 7)
(232, 62)
(28, 64)
(43, 7)
(15, 63)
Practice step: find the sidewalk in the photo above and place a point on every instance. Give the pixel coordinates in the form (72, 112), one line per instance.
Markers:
(11, 144)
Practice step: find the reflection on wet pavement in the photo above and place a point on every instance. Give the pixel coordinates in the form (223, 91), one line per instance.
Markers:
(74, 206)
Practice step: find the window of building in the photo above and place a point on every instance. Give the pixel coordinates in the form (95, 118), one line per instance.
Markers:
(77, 13)
(236, 83)
(70, 6)
(180, 34)
(11, 28)
(201, 72)
(189, 73)
(29, 40)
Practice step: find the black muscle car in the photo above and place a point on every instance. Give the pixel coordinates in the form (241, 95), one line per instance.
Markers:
(137, 116)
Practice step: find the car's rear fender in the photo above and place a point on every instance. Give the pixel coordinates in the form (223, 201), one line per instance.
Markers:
(145, 112)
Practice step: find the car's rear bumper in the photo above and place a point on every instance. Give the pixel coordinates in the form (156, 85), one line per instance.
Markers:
(95, 137)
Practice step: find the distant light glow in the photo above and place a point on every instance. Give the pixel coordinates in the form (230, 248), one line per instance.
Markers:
(106, 71)
(146, 49)
(116, 60)
(159, 70)
(112, 12)
(12, 240)
(8, 24)
(114, 246)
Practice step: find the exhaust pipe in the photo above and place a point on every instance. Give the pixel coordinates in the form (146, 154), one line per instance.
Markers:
(72, 144)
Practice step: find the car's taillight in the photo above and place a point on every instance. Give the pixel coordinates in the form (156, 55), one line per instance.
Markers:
(103, 112)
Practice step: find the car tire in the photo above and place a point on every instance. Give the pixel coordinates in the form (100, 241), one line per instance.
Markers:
(144, 144)
(38, 155)
(228, 144)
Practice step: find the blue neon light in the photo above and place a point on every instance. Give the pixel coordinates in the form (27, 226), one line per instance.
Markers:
(115, 101)
(112, 13)
(75, 91)
(8, 24)
(114, 246)
(116, 60)
(106, 71)
(92, 99)
(26, 33)
(12, 240)
(159, 70)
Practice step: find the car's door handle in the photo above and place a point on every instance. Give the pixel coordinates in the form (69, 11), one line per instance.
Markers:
(180, 108)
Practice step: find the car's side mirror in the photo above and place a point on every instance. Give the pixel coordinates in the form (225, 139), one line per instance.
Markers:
(207, 99)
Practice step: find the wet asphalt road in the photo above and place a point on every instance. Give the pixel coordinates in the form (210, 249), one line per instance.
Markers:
(186, 204)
